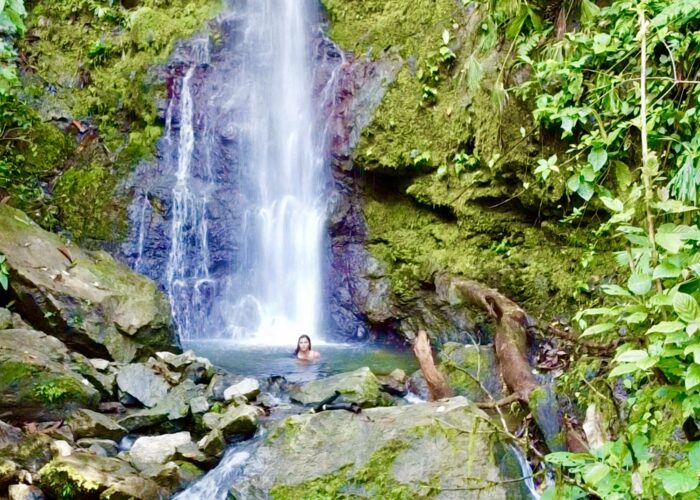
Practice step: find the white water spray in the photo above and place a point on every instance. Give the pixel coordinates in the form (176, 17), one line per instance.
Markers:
(276, 295)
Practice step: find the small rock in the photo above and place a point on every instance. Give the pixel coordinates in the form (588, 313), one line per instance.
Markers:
(218, 384)
(399, 375)
(162, 369)
(248, 388)
(213, 444)
(199, 405)
(197, 372)
(239, 420)
(61, 448)
(25, 492)
(99, 364)
(87, 424)
(191, 452)
(98, 450)
(142, 383)
(108, 446)
(8, 471)
(9, 435)
(5, 319)
(112, 407)
(158, 449)
(211, 420)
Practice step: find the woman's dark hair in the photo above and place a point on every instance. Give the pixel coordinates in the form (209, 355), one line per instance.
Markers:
(296, 351)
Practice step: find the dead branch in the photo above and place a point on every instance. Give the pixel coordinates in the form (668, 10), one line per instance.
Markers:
(437, 385)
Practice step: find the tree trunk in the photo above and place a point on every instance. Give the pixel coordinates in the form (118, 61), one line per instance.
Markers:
(438, 387)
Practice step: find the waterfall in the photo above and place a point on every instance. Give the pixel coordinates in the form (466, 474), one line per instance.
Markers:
(237, 199)
(277, 295)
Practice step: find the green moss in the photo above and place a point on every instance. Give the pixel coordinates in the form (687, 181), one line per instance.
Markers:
(537, 270)
(62, 481)
(374, 480)
(83, 192)
(57, 390)
(92, 62)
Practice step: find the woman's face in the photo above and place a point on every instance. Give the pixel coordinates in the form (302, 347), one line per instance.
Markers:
(303, 344)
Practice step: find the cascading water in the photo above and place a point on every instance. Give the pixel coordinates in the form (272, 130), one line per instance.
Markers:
(280, 296)
(240, 186)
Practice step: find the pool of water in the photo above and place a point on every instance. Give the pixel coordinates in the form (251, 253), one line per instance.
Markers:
(266, 361)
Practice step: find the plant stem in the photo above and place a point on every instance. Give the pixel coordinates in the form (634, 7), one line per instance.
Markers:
(646, 174)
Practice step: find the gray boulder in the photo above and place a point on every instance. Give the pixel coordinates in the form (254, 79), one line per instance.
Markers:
(24, 492)
(99, 307)
(360, 386)
(158, 449)
(248, 388)
(90, 424)
(173, 406)
(141, 382)
(442, 450)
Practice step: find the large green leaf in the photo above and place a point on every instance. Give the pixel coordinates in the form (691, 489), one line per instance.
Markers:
(677, 481)
(639, 284)
(671, 242)
(692, 376)
(597, 158)
(686, 306)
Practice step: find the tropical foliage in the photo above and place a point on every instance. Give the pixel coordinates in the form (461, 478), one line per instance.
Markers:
(618, 83)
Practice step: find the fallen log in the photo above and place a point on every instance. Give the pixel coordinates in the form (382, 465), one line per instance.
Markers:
(510, 344)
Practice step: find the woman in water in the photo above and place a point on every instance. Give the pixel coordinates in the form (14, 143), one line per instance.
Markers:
(304, 351)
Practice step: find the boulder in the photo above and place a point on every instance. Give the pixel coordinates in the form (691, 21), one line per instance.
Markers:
(180, 361)
(90, 424)
(37, 378)
(110, 447)
(440, 450)
(9, 435)
(174, 406)
(213, 444)
(468, 367)
(61, 448)
(360, 386)
(235, 420)
(5, 319)
(248, 388)
(141, 382)
(158, 449)
(96, 305)
(24, 492)
(86, 475)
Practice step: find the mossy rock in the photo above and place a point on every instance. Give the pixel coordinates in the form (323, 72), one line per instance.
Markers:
(37, 381)
(469, 368)
(96, 305)
(84, 475)
(360, 386)
(440, 450)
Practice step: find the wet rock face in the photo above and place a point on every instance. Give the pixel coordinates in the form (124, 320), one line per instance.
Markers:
(97, 306)
(377, 454)
(38, 380)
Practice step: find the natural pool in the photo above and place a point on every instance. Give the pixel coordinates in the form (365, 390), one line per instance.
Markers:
(266, 361)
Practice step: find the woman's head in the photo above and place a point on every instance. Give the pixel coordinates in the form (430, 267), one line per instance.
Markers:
(303, 344)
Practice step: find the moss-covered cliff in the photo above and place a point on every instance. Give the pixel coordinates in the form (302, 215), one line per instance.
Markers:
(90, 96)
(448, 159)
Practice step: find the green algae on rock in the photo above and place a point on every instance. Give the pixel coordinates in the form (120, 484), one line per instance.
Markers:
(398, 452)
(90, 71)
(360, 386)
(37, 381)
(94, 304)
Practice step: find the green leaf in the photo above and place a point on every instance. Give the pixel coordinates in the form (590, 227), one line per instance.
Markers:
(615, 291)
(666, 270)
(585, 190)
(667, 327)
(4, 281)
(623, 369)
(596, 329)
(595, 473)
(632, 356)
(692, 376)
(597, 158)
(612, 204)
(639, 284)
(671, 242)
(573, 183)
(693, 349)
(677, 481)
(685, 306)
(636, 318)
(694, 456)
